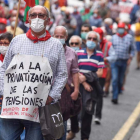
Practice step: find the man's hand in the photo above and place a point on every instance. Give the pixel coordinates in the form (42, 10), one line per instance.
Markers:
(137, 33)
(105, 59)
(74, 95)
(49, 100)
(82, 78)
(87, 87)
(129, 61)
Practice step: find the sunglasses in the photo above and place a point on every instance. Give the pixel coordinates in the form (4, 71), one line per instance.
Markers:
(34, 15)
(90, 38)
(72, 43)
(2, 43)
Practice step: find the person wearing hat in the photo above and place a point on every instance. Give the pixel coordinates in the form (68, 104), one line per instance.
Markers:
(123, 44)
(109, 56)
(3, 23)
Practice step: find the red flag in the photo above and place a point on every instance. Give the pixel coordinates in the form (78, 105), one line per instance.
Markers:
(30, 3)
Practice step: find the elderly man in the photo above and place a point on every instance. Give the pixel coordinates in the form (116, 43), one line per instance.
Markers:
(91, 67)
(84, 30)
(38, 44)
(75, 42)
(123, 44)
(61, 34)
(96, 20)
(12, 26)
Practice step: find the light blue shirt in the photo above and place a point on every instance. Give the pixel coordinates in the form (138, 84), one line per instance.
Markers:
(124, 46)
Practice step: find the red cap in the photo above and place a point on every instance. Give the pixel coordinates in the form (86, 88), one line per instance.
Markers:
(121, 25)
(99, 31)
(3, 20)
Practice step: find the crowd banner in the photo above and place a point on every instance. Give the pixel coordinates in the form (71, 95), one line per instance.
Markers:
(27, 83)
(126, 7)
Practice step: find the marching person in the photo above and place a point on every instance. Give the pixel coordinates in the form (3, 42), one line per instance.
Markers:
(69, 22)
(3, 24)
(61, 33)
(84, 30)
(123, 44)
(11, 27)
(109, 56)
(5, 40)
(91, 67)
(36, 45)
(75, 42)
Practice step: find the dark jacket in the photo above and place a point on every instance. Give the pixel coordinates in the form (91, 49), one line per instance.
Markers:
(90, 98)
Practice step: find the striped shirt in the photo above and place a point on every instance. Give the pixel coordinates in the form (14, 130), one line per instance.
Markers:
(90, 63)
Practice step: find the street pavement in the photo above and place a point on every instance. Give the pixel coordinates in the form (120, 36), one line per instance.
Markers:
(114, 116)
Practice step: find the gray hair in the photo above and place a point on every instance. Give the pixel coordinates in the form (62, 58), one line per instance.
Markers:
(61, 27)
(98, 37)
(47, 11)
(80, 40)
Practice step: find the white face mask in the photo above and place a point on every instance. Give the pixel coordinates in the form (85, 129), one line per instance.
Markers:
(3, 49)
(62, 41)
(13, 23)
(37, 24)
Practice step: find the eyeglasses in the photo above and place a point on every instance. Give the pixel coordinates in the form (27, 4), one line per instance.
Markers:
(76, 43)
(90, 38)
(34, 15)
(2, 43)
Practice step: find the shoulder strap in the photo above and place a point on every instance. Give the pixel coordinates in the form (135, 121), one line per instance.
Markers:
(105, 51)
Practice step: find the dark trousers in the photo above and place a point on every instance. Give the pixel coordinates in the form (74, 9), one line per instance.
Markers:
(86, 122)
(74, 124)
(86, 125)
(99, 104)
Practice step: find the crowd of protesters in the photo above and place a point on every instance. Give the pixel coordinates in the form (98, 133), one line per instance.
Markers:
(97, 42)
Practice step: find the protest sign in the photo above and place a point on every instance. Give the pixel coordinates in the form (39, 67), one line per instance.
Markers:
(126, 7)
(27, 83)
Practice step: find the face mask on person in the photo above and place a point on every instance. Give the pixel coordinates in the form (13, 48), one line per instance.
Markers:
(75, 48)
(62, 41)
(62, 13)
(3, 49)
(37, 24)
(13, 23)
(83, 35)
(75, 10)
(114, 1)
(95, 15)
(90, 45)
(2, 27)
(121, 31)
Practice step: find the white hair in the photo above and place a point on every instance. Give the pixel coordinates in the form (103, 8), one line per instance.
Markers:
(80, 40)
(57, 27)
(47, 11)
(98, 37)
(108, 20)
